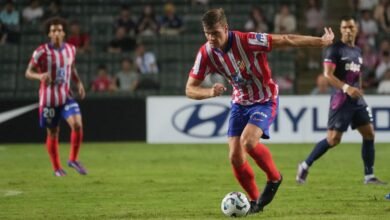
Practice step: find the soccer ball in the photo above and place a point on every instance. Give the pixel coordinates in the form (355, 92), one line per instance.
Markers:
(235, 204)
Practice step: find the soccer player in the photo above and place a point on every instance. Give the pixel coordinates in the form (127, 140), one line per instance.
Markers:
(53, 64)
(241, 58)
(342, 64)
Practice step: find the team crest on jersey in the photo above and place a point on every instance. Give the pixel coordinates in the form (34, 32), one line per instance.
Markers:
(241, 65)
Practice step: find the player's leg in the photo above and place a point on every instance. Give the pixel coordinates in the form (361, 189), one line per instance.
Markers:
(241, 168)
(338, 122)
(362, 120)
(260, 118)
(333, 139)
(49, 118)
(53, 151)
(72, 115)
(263, 158)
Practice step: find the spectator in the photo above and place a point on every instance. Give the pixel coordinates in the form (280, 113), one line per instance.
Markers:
(285, 22)
(314, 18)
(200, 2)
(257, 22)
(127, 79)
(103, 82)
(145, 60)
(147, 24)
(33, 13)
(382, 15)
(10, 19)
(383, 66)
(322, 86)
(54, 10)
(379, 10)
(370, 58)
(384, 85)
(9, 16)
(3, 34)
(171, 23)
(360, 5)
(368, 29)
(79, 39)
(126, 21)
(121, 42)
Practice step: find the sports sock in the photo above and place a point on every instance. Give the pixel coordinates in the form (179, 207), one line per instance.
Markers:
(246, 177)
(368, 156)
(52, 149)
(76, 137)
(263, 159)
(317, 152)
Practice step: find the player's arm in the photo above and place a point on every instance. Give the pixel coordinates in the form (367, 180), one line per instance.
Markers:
(79, 84)
(33, 74)
(329, 69)
(194, 90)
(293, 40)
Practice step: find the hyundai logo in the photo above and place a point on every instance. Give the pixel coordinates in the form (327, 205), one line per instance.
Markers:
(203, 120)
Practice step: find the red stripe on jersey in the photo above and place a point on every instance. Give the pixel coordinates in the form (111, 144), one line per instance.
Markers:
(61, 86)
(243, 69)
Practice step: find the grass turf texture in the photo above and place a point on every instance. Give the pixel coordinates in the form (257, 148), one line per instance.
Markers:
(140, 181)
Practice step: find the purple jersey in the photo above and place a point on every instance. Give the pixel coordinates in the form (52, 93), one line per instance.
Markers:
(348, 61)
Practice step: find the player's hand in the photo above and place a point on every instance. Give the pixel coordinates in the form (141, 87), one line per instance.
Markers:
(355, 93)
(45, 77)
(217, 89)
(81, 90)
(327, 38)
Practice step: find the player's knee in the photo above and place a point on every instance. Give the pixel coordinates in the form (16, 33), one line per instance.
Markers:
(53, 133)
(369, 136)
(333, 141)
(247, 143)
(77, 126)
(236, 159)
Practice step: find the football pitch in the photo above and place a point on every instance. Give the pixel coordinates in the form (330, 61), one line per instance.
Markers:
(141, 181)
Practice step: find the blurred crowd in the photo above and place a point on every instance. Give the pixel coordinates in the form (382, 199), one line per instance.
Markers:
(127, 30)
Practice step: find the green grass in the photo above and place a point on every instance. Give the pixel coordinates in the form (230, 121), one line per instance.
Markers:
(140, 181)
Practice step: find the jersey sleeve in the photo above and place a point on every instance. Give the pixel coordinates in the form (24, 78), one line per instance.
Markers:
(37, 56)
(331, 55)
(259, 41)
(200, 68)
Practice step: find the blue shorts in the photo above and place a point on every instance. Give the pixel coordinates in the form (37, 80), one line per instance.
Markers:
(262, 115)
(348, 114)
(49, 117)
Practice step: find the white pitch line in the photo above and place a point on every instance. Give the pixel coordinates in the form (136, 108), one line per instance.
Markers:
(12, 193)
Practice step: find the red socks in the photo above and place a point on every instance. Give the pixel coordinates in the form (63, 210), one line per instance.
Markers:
(263, 159)
(245, 176)
(76, 138)
(52, 149)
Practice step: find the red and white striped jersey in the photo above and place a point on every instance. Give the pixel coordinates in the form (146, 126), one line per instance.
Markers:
(58, 63)
(244, 64)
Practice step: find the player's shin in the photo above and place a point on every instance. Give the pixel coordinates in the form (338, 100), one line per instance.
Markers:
(52, 149)
(246, 177)
(76, 139)
(264, 160)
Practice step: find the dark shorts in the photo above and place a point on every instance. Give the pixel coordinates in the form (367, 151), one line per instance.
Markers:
(262, 115)
(49, 117)
(356, 116)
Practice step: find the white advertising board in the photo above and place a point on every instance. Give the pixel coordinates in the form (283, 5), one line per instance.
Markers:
(301, 119)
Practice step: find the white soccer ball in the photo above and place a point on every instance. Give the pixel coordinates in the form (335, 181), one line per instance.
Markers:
(235, 204)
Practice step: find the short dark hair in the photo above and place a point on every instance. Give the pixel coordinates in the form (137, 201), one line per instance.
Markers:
(347, 18)
(55, 21)
(214, 16)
